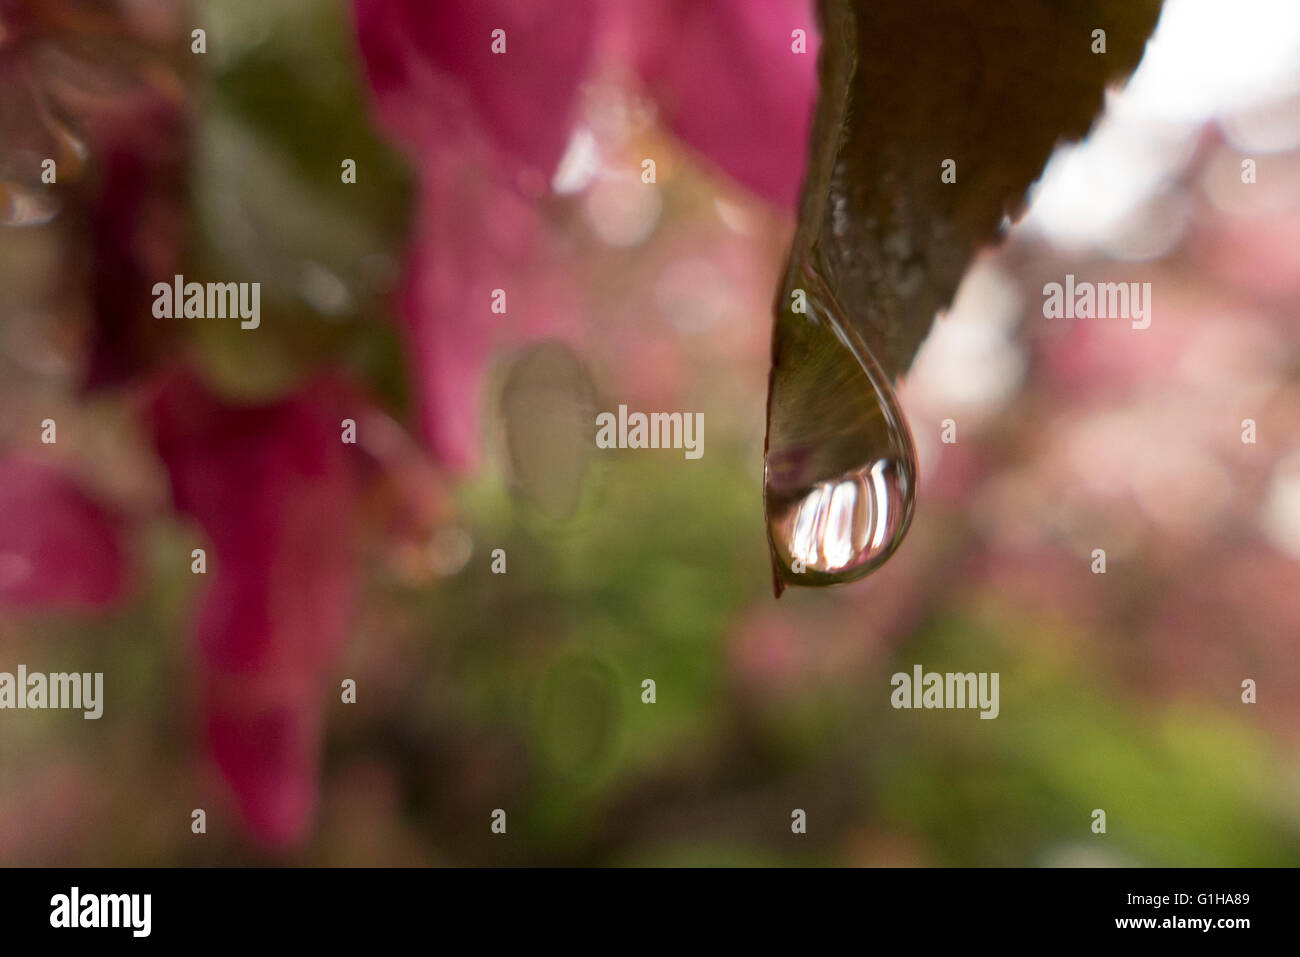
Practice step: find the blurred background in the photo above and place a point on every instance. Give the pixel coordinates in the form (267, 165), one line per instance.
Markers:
(522, 690)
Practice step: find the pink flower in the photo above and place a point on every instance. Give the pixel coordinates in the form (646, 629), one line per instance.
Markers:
(486, 130)
(58, 546)
(473, 236)
(276, 491)
(433, 70)
(730, 83)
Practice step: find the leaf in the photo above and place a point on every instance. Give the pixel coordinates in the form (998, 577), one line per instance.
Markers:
(906, 85)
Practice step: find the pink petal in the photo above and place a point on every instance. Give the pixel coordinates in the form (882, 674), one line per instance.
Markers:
(730, 85)
(57, 545)
(470, 117)
(424, 57)
(271, 757)
(474, 234)
(276, 492)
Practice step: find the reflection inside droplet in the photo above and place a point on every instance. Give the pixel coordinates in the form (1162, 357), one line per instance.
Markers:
(841, 467)
(840, 526)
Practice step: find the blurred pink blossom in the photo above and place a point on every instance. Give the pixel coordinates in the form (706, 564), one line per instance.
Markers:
(730, 84)
(58, 546)
(276, 492)
(486, 131)
(434, 75)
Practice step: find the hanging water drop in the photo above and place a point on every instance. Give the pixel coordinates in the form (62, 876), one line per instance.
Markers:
(840, 469)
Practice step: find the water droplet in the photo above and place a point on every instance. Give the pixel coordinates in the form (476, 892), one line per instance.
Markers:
(841, 469)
